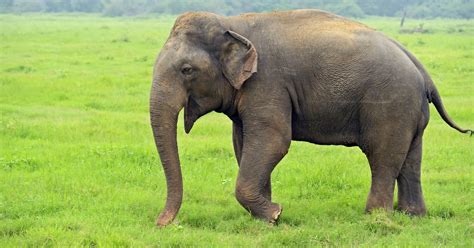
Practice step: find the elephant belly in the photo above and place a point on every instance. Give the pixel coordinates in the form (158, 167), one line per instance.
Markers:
(329, 129)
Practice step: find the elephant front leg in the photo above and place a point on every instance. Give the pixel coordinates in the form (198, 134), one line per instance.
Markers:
(237, 140)
(262, 151)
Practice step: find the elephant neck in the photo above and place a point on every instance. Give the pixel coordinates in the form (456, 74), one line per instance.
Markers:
(231, 108)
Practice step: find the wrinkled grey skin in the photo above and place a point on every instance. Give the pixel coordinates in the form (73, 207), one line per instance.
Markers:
(302, 75)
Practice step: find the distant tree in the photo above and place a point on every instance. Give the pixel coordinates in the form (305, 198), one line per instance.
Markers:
(346, 8)
(442, 8)
(353, 8)
(381, 7)
(57, 5)
(127, 7)
(6, 5)
(370, 7)
(86, 5)
(404, 14)
(467, 10)
(27, 6)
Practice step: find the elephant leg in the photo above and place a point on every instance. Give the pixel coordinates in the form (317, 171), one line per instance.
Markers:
(384, 168)
(263, 148)
(237, 140)
(267, 189)
(386, 155)
(410, 195)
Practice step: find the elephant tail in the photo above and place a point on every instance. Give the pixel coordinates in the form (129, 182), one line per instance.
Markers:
(432, 93)
(436, 100)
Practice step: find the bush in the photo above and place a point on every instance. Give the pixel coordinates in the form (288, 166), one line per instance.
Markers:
(347, 8)
(420, 11)
(127, 7)
(86, 6)
(27, 6)
(353, 8)
(436, 8)
(5, 5)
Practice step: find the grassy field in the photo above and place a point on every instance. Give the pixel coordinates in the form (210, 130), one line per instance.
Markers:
(78, 166)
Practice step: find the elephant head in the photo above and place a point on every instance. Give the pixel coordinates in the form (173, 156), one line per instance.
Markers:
(201, 67)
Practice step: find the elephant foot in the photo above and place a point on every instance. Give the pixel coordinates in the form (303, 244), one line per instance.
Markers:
(374, 203)
(410, 196)
(258, 205)
(270, 214)
(276, 215)
(165, 219)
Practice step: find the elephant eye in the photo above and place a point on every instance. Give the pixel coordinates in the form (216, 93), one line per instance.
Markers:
(187, 70)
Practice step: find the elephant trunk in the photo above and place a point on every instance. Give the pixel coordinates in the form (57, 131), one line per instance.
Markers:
(165, 103)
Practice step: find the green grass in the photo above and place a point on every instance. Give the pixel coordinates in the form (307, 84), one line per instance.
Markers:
(78, 166)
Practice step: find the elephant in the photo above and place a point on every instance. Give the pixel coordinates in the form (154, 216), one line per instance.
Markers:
(303, 75)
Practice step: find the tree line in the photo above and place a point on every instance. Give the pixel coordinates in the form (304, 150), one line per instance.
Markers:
(353, 8)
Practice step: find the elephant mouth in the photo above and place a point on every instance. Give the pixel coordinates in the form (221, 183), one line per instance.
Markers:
(191, 114)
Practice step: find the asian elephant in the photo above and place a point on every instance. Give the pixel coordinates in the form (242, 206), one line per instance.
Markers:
(304, 75)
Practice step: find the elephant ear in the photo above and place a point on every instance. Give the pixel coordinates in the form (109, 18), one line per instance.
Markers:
(239, 59)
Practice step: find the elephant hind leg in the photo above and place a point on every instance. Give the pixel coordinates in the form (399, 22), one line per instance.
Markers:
(410, 195)
(386, 154)
(384, 167)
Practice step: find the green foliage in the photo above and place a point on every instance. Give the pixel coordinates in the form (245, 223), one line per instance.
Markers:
(346, 8)
(5, 4)
(86, 5)
(121, 7)
(384, 7)
(442, 8)
(354, 8)
(23, 6)
(57, 5)
(78, 165)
